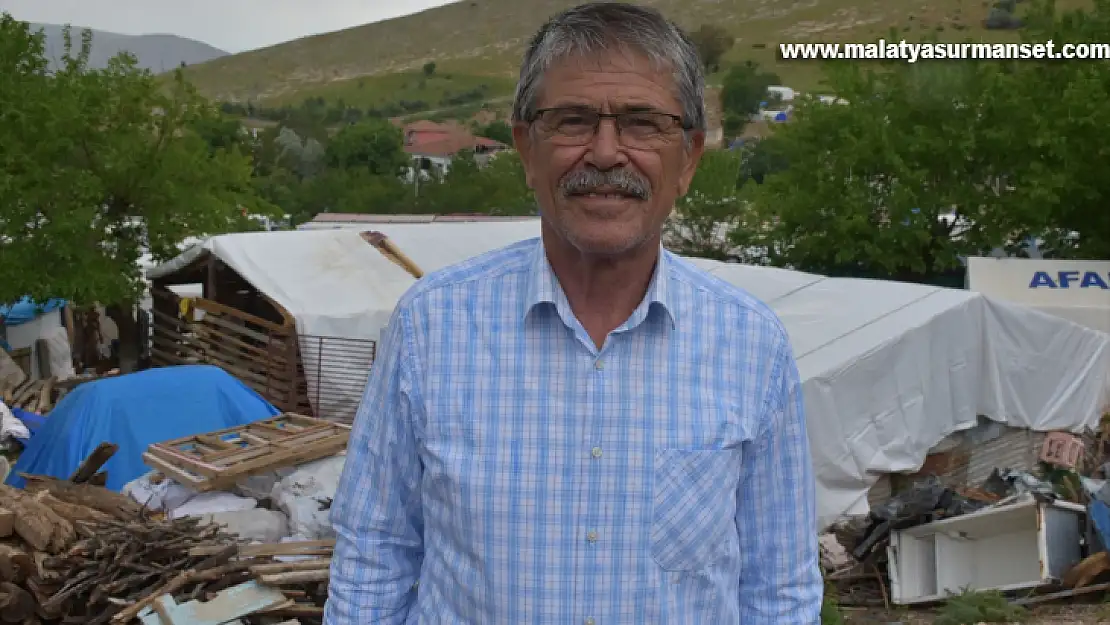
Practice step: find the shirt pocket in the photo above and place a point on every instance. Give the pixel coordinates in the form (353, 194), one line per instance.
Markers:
(694, 506)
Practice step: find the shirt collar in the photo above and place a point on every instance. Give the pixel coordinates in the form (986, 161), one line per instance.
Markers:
(544, 288)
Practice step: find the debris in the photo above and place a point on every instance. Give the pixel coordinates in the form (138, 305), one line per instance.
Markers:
(217, 460)
(40, 396)
(78, 553)
(228, 604)
(306, 494)
(926, 501)
(1062, 449)
(89, 467)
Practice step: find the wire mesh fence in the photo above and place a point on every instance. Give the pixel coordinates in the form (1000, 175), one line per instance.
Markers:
(333, 373)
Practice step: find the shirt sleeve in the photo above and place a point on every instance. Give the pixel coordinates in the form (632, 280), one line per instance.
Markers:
(780, 578)
(377, 512)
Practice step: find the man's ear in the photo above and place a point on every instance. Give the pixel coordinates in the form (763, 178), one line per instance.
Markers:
(694, 148)
(523, 141)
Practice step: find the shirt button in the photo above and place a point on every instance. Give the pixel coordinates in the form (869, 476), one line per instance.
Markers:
(590, 621)
(591, 536)
(599, 364)
(596, 452)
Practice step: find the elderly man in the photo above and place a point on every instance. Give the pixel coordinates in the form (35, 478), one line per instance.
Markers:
(584, 428)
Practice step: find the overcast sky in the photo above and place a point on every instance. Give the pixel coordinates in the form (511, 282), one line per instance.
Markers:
(232, 25)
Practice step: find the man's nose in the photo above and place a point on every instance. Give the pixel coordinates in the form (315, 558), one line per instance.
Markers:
(606, 151)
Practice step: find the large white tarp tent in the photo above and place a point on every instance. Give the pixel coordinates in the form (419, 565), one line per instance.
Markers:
(889, 369)
(336, 285)
(333, 283)
(434, 246)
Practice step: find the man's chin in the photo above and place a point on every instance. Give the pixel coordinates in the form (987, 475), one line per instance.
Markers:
(608, 240)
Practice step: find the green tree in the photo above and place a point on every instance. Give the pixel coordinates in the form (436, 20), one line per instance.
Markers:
(761, 159)
(429, 68)
(743, 89)
(498, 131)
(511, 195)
(355, 190)
(898, 183)
(712, 42)
(98, 165)
(372, 144)
(710, 210)
(1056, 129)
(498, 188)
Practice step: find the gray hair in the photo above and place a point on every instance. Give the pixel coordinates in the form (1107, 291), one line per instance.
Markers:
(597, 26)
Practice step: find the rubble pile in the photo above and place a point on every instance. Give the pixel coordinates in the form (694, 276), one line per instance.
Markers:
(75, 552)
(40, 396)
(1062, 503)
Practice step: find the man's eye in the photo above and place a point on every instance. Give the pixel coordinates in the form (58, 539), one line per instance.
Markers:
(641, 122)
(573, 121)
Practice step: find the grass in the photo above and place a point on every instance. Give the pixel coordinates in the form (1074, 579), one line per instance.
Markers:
(973, 608)
(483, 40)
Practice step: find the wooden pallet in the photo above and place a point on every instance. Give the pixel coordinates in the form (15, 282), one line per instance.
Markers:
(217, 460)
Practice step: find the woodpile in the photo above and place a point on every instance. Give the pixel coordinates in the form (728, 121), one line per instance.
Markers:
(40, 396)
(75, 552)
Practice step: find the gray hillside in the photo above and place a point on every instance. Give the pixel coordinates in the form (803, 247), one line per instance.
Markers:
(158, 53)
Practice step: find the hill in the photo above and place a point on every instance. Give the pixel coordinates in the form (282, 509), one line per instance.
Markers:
(158, 53)
(486, 37)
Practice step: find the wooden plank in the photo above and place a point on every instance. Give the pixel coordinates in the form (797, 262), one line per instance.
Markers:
(216, 308)
(225, 340)
(176, 474)
(200, 464)
(177, 323)
(228, 605)
(296, 548)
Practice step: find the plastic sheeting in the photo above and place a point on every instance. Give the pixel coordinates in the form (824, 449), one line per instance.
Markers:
(889, 369)
(135, 411)
(26, 310)
(438, 245)
(335, 284)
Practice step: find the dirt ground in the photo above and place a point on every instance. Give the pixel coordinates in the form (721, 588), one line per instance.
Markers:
(1054, 615)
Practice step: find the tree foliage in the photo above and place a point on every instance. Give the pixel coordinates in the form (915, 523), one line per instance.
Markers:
(711, 208)
(743, 89)
(98, 165)
(498, 188)
(928, 163)
(498, 131)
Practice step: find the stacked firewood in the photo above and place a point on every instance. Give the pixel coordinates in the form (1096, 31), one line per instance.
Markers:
(40, 396)
(74, 552)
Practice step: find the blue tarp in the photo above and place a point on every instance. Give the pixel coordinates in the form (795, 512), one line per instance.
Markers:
(134, 411)
(32, 420)
(26, 310)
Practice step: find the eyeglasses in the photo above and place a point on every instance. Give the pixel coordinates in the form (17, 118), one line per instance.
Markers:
(636, 129)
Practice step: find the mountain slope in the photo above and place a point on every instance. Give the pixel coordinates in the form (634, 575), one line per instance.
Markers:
(158, 53)
(488, 36)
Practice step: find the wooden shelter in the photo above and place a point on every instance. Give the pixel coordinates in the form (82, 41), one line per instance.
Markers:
(247, 333)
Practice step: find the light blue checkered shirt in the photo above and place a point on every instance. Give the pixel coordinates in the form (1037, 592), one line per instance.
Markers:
(502, 470)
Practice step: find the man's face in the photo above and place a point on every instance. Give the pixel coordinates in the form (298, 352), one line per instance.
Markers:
(606, 193)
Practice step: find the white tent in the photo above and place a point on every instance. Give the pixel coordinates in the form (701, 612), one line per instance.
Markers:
(437, 245)
(889, 369)
(333, 283)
